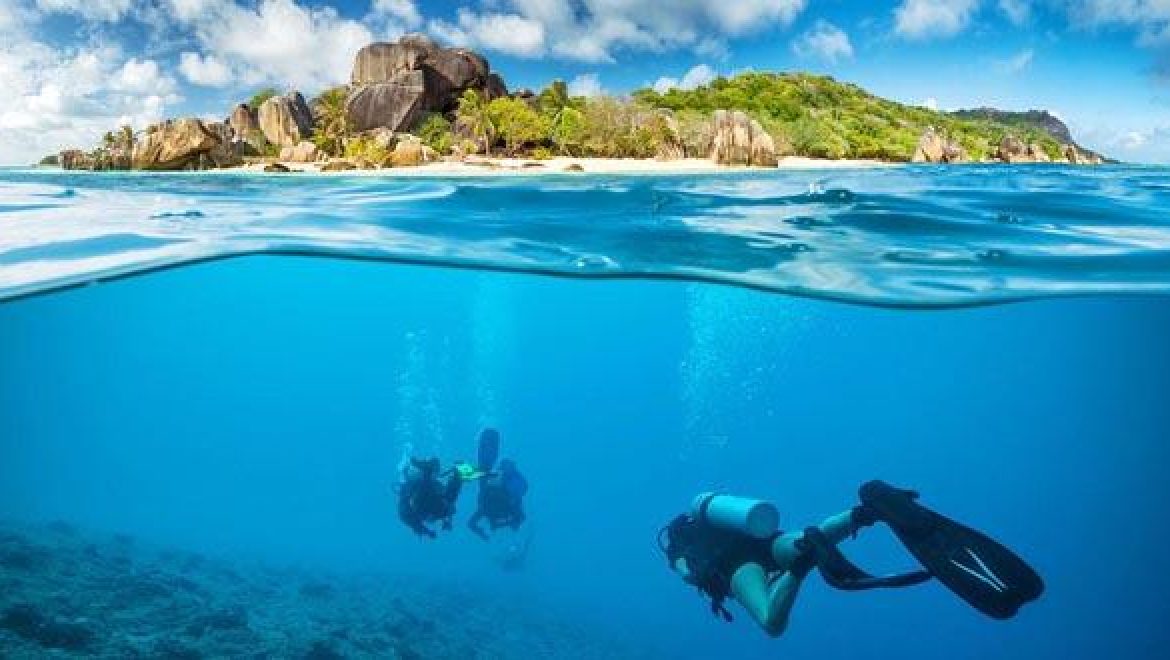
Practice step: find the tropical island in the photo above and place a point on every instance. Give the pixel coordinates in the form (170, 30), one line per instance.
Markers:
(412, 103)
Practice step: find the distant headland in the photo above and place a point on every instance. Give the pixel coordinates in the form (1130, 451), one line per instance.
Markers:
(412, 103)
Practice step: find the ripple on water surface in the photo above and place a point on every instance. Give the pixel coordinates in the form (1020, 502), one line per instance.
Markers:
(905, 236)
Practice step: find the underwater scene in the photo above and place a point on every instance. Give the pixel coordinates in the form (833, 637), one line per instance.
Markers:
(212, 388)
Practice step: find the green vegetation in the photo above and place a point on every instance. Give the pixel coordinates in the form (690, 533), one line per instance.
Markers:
(818, 116)
(331, 123)
(435, 132)
(472, 117)
(366, 149)
(261, 96)
(517, 123)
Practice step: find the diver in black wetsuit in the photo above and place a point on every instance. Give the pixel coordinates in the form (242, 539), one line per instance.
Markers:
(729, 547)
(423, 496)
(501, 500)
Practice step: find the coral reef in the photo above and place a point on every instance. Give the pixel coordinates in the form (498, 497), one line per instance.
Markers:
(70, 593)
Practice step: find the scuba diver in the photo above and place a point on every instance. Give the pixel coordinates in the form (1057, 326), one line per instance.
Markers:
(729, 546)
(501, 493)
(424, 497)
(501, 500)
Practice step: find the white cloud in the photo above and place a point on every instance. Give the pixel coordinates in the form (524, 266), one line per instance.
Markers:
(207, 71)
(1018, 12)
(927, 19)
(697, 76)
(277, 41)
(510, 34)
(592, 30)
(825, 41)
(404, 11)
(56, 99)
(586, 84)
(930, 103)
(1133, 140)
(96, 10)
(1016, 63)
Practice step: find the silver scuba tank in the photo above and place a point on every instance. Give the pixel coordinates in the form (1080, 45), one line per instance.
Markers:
(756, 518)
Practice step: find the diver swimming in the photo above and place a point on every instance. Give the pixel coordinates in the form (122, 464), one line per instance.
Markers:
(730, 547)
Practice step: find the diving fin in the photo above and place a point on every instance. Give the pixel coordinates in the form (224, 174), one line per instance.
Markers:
(978, 569)
(840, 573)
(489, 450)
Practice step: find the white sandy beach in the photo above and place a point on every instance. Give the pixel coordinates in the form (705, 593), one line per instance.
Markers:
(561, 165)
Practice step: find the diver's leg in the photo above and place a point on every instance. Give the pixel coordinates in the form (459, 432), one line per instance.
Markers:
(835, 528)
(768, 604)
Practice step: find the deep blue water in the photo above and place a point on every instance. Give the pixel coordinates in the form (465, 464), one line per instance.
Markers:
(256, 407)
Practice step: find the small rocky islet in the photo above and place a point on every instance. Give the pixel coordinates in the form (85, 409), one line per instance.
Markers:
(68, 592)
(405, 106)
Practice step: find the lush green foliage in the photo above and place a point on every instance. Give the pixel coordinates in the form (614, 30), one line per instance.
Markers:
(819, 116)
(331, 123)
(473, 118)
(261, 96)
(365, 148)
(517, 123)
(435, 132)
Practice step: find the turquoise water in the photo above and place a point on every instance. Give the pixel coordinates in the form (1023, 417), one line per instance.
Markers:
(255, 408)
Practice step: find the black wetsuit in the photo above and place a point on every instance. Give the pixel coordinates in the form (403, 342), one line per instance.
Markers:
(499, 505)
(713, 555)
(425, 498)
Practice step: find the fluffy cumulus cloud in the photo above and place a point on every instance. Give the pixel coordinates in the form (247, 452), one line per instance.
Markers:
(593, 30)
(697, 76)
(100, 10)
(824, 41)
(57, 98)
(927, 19)
(206, 71)
(275, 41)
(586, 84)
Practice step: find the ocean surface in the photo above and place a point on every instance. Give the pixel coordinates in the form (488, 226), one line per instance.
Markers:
(997, 338)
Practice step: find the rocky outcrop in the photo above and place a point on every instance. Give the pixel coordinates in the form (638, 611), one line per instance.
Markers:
(934, 148)
(1037, 154)
(1077, 156)
(395, 84)
(411, 152)
(181, 144)
(740, 140)
(305, 152)
(286, 120)
(670, 142)
(1012, 150)
(245, 125)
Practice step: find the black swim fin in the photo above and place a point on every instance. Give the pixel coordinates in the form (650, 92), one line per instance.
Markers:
(840, 573)
(978, 569)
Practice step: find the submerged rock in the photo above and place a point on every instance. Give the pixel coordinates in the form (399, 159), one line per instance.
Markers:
(28, 622)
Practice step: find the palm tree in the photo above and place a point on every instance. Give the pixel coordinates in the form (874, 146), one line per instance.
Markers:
(473, 117)
(331, 127)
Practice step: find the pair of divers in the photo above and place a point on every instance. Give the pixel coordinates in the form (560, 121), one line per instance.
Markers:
(427, 494)
(730, 547)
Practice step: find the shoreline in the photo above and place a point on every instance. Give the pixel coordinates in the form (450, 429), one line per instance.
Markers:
(491, 167)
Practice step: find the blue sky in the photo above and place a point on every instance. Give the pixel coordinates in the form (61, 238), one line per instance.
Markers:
(71, 69)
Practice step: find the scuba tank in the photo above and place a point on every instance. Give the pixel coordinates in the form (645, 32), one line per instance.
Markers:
(755, 518)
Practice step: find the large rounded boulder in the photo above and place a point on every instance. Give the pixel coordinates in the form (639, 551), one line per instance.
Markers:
(286, 120)
(394, 85)
(175, 145)
(737, 139)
